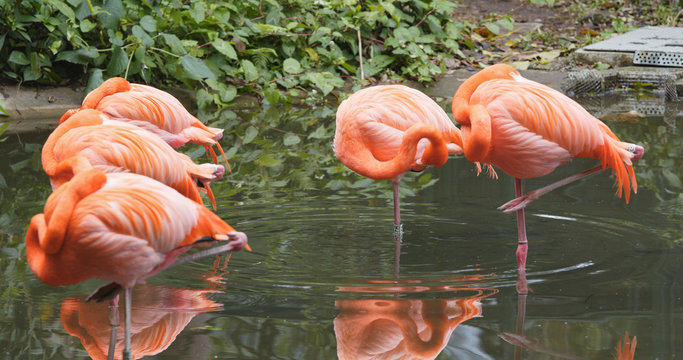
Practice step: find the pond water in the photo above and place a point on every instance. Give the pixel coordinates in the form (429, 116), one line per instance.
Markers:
(328, 279)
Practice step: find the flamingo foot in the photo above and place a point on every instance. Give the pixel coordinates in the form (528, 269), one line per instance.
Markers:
(638, 152)
(519, 203)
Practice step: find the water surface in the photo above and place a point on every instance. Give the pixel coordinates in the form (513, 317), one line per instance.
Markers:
(324, 280)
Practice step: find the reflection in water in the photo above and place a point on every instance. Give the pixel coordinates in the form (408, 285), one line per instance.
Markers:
(397, 328)
(625, 351)
(159, 314)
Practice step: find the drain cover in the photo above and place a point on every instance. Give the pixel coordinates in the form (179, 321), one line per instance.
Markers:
(658, 58)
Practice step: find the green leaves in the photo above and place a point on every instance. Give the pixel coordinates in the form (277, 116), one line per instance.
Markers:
(271, 49)
(117, 63)
(196, 68)
(291, 66)
(224, 48)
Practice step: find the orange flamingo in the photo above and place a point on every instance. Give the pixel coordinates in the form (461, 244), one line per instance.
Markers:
(154, 110)
(119, 227)
(114, 146)
(384, 131)
(528, 129)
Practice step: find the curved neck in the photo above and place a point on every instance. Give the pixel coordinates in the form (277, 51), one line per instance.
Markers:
(109, 87)
(434, 316)
(435, 154)
(461, 99)
(61, 204)
(81, 118)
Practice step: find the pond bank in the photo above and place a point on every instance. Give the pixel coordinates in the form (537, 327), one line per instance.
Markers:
(33, 109)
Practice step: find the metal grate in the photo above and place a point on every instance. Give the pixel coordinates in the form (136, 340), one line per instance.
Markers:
(658, 58)
(585, 82)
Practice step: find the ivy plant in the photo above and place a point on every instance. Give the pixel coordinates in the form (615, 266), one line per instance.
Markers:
(273, 49)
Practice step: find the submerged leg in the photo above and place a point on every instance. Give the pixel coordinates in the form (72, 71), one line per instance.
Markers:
(398, 227)
(522, 244)
(114, 323)
(127, 355)
(521, 201)
(521, 314)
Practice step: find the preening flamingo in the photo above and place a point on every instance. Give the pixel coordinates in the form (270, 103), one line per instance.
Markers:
(528, 129)
(154, 110)
(115, 146)
(118, 227)
(384, 131)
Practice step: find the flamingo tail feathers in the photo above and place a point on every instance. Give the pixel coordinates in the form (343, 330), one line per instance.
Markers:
(613, 154)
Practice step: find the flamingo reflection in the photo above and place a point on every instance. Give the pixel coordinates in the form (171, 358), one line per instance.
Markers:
(159, 314)
(395, 328)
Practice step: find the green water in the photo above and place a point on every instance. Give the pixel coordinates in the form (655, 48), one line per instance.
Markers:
(324, 278)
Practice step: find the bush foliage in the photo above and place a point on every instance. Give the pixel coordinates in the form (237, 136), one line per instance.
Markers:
(271, 48)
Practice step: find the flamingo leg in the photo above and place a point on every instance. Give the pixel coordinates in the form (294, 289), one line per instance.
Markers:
(522, 245)
(398, 227)
(521, 201)
(521, 315)
(114, 323)
(127, 355)
(398, 239)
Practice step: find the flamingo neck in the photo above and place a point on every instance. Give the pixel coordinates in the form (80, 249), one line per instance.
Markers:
(48, 156)
(461, 99)
(47, 232)
(109, 87)
(435, 154)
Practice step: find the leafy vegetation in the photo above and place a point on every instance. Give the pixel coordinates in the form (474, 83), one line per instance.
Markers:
(275, 49)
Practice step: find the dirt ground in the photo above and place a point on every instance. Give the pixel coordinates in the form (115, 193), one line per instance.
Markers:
(566, 27)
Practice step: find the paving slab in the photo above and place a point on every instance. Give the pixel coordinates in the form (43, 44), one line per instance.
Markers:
(651, 45)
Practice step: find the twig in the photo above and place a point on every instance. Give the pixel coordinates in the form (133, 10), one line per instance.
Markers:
(424, 17)
(360, 54)
(287, 132)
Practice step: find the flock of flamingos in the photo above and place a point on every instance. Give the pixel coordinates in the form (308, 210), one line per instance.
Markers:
(126, 205)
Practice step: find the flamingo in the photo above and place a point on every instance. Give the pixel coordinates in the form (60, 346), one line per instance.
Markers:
(118, 227)
(384, 131)
(154, 110)
(528, 129)
(115, 146)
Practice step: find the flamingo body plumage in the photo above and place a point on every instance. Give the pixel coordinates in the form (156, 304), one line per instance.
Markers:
(154, 110)
(384, 131)
(115, 146)
(118, 227)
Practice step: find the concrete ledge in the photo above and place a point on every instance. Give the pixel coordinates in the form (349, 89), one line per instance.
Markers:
(35, 108)
(612, 58)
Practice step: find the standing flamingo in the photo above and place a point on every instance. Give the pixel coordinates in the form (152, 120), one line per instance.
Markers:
(118, 227)
(384, 131)
(528, 129)
(154, 110)
(114, 146)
